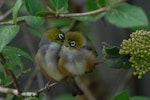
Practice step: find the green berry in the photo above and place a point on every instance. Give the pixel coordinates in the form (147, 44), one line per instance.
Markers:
(138, 47)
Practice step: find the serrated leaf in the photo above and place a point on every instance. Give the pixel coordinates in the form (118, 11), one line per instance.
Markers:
(60, 6)
(122, 96)
(61, 22)
(16, 9)
(13, 57)
(103, 3)
(33, 6)
(139, 98)
(126, 15)
(16, 52)
(92, 5)
(113, 59)
(110, 51)
(7, 33)
(35, 21)
(118, 62)
(14, 61)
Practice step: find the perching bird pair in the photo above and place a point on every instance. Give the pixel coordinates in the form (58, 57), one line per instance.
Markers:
(63, 55)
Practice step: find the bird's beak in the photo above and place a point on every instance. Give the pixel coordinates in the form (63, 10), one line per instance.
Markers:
(65, 45)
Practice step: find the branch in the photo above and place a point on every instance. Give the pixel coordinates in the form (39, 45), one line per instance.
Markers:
(26, 94)
(18, 77)
(15, 92)
(6, 14)
(15, 81)
(68, 15)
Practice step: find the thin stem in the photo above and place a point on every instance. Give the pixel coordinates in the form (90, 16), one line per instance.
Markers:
(68, 15)
(26, 94)
(6, 14)
(18, 77)
(15, 81)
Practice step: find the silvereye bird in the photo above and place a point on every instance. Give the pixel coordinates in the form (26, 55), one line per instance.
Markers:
(76, 56)
(47, 55)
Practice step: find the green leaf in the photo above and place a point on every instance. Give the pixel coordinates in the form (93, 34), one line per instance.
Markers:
(13, 56)
(31, 98)
(60, 6)
(113, 59)
(61, 22)
(110, 51)
(126, 15)
(16, 51)
(35, 21)
(92, 5)
(33, 6)
(7, 33)
(139, 98)
(40, 97)
(16, 9)
(109, 2)
(103, 3)
(3, 79)
(44, 13)
(122, 96)
(9, 97)
(65, 97)
(7, 80)
(2, 76)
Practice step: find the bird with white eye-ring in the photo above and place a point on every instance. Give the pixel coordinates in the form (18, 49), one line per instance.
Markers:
(61, 36)
(47, 55)
(75, 57)
(65, 55)
(72, 43)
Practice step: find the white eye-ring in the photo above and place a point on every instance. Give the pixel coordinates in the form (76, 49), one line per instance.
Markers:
(61, 36)
(73, 43)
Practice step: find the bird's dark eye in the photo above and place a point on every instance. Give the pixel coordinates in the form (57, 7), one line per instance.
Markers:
(61, 36)
(73, 43)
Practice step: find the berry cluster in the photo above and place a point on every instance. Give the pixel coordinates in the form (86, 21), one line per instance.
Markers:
(138, 47)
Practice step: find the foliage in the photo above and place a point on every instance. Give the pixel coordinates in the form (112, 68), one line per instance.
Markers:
(125, 96)
(123, 15)
(138, 48)
(113, 59)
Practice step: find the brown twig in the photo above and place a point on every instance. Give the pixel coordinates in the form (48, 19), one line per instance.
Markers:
(18, 77)
(47, 87)
(15, 81)
(26, 94)
(3, 60)
(68, 15)
(5, 14)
